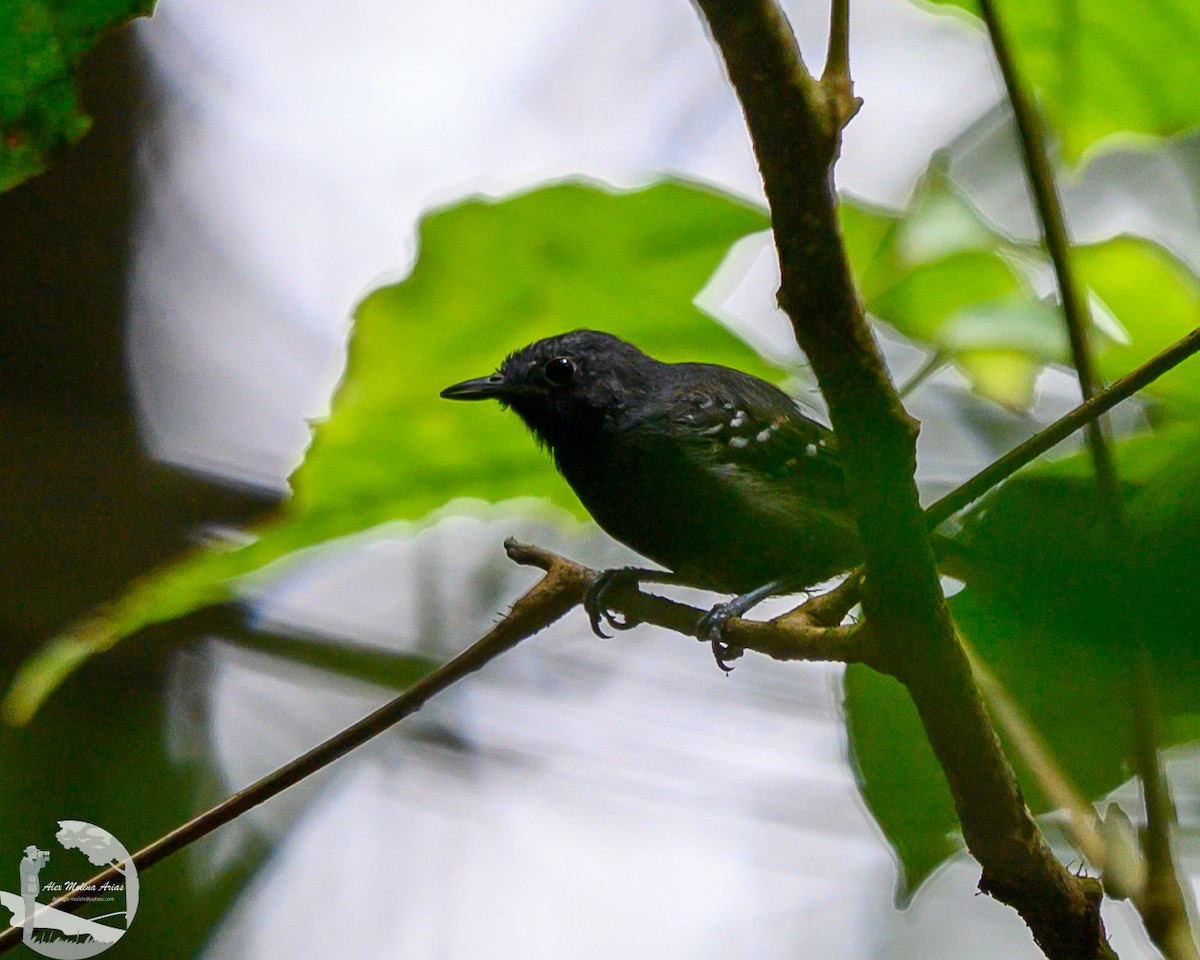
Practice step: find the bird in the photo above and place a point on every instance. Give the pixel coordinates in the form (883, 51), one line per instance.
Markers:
(714, 474)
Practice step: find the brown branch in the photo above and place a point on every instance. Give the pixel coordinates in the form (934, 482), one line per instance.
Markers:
(1162, 903)
(796, 138)
(1049, 437)
(812, 631)
(835, 78)
(562, 588)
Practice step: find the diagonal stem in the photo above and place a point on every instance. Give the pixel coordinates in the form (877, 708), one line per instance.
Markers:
(1049, 437)
(560, 590)
(1163, 904)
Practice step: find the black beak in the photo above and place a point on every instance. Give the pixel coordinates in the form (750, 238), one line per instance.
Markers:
(494, 387)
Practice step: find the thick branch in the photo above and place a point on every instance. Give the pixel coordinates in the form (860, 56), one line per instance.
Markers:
(796, 136)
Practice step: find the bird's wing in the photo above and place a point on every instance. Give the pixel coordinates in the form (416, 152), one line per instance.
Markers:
(746, 424)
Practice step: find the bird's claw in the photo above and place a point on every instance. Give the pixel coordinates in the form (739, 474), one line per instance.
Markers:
(712, 629)
(597, 609)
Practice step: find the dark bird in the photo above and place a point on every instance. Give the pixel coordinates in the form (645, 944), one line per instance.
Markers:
(711, 472)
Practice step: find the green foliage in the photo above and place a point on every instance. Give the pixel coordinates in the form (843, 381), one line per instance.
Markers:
(1106, 69)
(1044, 616)
(1156, 300)
(939, 274)
(492, 276)
(41, 44)
(898, 775)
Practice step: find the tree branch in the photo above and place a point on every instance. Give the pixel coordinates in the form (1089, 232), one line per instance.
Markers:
(1162, 903)
(812, 631)
(1047, 438)
(835, 78)
(562, 588)
(796, 138)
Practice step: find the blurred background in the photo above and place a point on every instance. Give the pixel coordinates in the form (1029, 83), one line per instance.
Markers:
(178, 292)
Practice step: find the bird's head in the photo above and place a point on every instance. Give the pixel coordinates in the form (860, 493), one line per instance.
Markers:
(565, 387)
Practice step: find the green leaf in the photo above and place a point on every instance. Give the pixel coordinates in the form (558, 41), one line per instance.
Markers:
(1005, 376)
(937, 273)
(1157, 301)
(41, 44)
(1107, 67)
(492, 276)
(1041, 611)
(898, 775)
(927, 299)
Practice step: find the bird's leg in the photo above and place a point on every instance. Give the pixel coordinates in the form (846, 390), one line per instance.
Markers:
(712, 625)
(597, 609)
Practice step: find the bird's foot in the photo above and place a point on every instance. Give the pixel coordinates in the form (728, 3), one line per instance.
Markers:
(712, 624)
(595, 605)
(712, 628)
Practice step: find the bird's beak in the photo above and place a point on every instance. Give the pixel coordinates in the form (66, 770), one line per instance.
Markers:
(494, 387)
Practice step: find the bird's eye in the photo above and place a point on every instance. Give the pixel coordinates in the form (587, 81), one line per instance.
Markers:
(559, 371)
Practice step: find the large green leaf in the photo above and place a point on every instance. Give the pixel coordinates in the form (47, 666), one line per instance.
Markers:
(492, 276)
(1106, 67)
(1042, 613)
(1155, 298)
(938, 274)
(41, 43)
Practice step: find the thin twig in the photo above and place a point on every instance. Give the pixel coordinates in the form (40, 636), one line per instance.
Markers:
(561, 589)
(812, 631)
(837, 56)
(835, 78)
(1163, 905)
(991, 475)
(931, 365)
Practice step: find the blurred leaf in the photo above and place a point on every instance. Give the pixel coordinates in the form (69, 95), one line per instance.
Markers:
(492, 276)
(926, 298)
(41, 44)
(1155, 298)
(1042, 613)
(898, 775)
(1005, 376)
(938, 274)
(101, 754)
(1106, 67)
(1002, 347)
